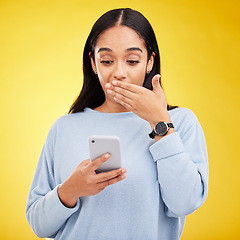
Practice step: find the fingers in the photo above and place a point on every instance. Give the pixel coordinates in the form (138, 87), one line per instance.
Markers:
(118, 91)
(94, 165)
(124, 93)
(124, 85)
(104, 184)
(157, 89)
(156, 83)
(126, 102)
(102, 177)
(121, 101)
(85, 163)
(120, 94)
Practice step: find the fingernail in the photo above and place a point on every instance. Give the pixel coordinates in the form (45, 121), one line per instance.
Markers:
(108, 85)
(123, 176)
(114, 82)
(109, 91)
(107, 155)
(115, 99)
(124, 171)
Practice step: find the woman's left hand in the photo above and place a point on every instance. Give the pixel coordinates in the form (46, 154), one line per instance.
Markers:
(147, 104)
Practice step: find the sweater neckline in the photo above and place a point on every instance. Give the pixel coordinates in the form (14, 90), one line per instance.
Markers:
(120, 114)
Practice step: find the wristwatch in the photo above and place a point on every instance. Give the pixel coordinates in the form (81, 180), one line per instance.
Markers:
(161, 128)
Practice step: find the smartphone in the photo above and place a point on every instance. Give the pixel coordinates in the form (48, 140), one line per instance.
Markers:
(99, 145)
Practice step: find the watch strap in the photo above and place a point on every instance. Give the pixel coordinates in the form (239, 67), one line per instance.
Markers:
(170, 125)
(152, 134)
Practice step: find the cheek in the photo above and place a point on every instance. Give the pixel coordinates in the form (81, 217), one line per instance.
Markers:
(103, 77)
(102, 82)
(138, 77)
(103, 73)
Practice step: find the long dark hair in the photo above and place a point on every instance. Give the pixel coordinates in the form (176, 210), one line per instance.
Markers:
(92, 94)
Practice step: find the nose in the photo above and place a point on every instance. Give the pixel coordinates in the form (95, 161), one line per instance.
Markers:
(119, 72)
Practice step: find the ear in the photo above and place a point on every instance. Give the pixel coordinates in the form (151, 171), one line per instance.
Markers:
(150, 62)
(93, 63)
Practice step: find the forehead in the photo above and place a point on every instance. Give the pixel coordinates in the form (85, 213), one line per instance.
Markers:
(120, 38)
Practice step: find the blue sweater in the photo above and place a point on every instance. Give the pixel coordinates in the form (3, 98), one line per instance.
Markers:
(166, 180)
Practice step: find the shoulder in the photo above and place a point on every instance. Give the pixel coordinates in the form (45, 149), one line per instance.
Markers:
(183, 118)
(183, 114)
(189, 128)
(66, 123)
(68, 118)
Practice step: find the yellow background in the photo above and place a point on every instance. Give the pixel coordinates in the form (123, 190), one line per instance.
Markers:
(41, 47)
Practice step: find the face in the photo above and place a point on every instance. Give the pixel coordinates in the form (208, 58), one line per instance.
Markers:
(120, 54)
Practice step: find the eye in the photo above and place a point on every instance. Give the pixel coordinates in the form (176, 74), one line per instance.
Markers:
(133, 62)
(107, 63)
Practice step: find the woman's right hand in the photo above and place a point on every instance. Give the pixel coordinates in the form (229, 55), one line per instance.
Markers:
(85, 182)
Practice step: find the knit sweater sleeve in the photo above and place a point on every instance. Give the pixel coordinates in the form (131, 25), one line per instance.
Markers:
(182, 165)
(45, 212)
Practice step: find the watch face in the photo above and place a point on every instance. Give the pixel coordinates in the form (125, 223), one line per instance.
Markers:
(161, 128)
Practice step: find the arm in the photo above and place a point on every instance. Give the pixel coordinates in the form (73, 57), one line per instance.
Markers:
(182, 169)
(50, 205)
(181, 160)
(45, 212)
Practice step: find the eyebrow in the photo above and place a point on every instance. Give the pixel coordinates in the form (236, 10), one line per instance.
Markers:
(104, 49)
(134, 49)
(127, 50)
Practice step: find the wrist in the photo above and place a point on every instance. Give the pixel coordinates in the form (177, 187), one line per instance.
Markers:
(162, 128)
(158, 137)
(161, 118)
(66, 195)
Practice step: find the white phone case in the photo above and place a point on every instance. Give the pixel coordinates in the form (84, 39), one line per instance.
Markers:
(99, 145)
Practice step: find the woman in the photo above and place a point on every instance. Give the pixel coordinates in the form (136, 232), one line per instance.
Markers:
(167, 170)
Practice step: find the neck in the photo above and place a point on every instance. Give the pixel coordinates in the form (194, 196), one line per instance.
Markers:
(110, 107)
